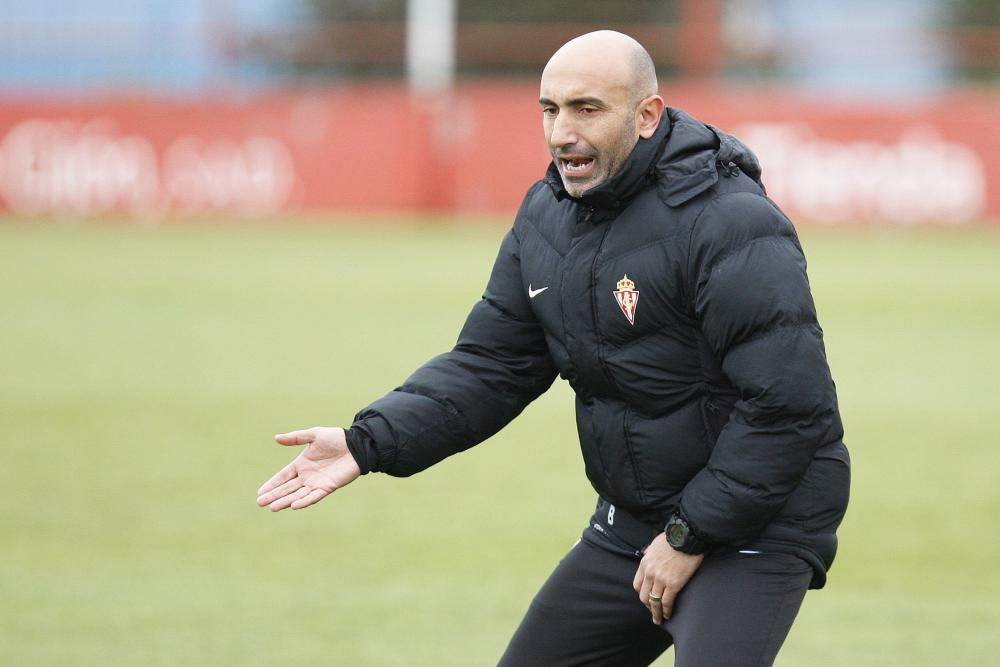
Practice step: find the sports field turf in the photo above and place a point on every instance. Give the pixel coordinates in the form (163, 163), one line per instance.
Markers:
(143, 371)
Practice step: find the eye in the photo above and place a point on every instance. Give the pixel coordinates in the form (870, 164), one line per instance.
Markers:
(549, 111)
(586, 111)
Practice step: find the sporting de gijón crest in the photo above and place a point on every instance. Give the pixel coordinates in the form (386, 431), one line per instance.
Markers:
(627, 297)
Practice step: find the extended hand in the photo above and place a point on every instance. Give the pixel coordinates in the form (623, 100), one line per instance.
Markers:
(663, 572)
(325, 465)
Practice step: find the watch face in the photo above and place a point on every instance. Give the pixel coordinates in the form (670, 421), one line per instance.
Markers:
(676, 534)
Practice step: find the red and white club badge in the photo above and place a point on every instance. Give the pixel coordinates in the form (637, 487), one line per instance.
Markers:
(627, 297)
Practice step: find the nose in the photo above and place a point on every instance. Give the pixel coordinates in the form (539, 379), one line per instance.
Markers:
(562, 131)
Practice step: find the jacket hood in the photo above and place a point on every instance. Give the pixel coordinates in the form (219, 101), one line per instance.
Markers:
(683, 158)
(691, 159)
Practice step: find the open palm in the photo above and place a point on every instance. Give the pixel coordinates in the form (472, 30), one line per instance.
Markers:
(325, 465)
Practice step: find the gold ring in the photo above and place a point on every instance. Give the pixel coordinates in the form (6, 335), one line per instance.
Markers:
(653, 598)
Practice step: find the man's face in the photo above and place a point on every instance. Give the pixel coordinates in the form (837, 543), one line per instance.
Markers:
(591, 125)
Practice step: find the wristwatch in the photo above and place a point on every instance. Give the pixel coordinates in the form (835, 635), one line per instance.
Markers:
(682, 538)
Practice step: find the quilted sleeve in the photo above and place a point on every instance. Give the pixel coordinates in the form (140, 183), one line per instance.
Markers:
(458, 399)
(751, 295)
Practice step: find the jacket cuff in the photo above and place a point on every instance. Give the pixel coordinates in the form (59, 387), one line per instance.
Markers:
(698, 542)
(362, 447)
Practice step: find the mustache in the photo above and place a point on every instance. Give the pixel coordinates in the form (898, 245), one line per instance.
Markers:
(561, 153)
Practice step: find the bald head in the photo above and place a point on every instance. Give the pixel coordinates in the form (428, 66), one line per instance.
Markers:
(617, 59)
(599, 98)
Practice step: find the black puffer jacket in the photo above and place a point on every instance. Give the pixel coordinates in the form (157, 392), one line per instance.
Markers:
(674, 300)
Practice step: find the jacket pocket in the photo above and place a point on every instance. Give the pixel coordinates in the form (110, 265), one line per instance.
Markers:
(609, 468)
(640, 494)
(667, 451)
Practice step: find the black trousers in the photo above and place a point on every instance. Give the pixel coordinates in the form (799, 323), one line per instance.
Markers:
(735, 611)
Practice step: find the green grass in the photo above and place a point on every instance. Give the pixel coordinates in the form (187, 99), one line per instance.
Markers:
(143, 371)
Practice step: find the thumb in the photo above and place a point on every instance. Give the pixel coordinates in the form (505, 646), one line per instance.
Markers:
(303, 437)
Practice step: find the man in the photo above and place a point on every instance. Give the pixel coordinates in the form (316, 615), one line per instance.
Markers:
(650, 271)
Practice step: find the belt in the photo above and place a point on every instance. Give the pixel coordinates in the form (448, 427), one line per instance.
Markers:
(617, 524)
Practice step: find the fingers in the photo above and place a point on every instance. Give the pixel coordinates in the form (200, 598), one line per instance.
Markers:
(645, 589)
(285, 501)
(653, 595)
(267, 493)
(667, 607)
(302, 497)
(661, 605)
(282, 476)
(314, 496)
(303, 437)
(267, 496)
(657, 607)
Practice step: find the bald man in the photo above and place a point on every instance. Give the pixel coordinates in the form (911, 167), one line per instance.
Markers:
(649, 270)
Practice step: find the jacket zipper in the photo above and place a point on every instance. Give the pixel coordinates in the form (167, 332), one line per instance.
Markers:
(593, 304)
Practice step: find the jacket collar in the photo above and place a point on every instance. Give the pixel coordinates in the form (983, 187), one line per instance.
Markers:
(682, 158)
(636, 173)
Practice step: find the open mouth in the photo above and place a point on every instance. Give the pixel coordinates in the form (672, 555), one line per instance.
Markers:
(577, 166)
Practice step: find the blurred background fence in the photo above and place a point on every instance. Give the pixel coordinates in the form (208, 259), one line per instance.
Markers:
(860, 111)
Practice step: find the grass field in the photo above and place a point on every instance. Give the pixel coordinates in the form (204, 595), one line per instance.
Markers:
(143, 371)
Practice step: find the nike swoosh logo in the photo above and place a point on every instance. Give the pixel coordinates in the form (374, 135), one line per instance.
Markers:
(532, 293)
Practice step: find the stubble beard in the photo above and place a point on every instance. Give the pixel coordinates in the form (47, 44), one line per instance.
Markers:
(616, 155)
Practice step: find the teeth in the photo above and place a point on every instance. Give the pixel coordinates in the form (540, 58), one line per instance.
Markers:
(576, 165)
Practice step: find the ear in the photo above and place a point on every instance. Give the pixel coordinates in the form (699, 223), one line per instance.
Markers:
(648, 115)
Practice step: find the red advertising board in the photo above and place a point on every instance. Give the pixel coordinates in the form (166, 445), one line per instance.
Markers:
(475, 150)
